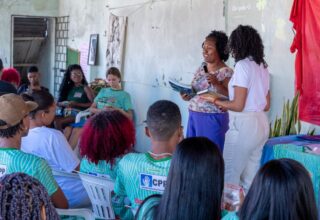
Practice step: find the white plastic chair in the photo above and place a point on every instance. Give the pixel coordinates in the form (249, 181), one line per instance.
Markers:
(99, 190)
(83, 114)
(83, 212)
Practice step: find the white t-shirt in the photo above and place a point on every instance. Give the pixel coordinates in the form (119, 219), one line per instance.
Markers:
(51, 145)
(255, 78)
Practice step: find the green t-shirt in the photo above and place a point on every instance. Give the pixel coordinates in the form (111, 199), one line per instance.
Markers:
(13, 160)
(104, 169)
(101, 169)
(139, 176)
(230, 216)
(77, 94)
(114, 98)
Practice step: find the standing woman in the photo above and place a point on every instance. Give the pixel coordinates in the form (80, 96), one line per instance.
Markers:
(205, 118)
(249, 98)
(74, 93)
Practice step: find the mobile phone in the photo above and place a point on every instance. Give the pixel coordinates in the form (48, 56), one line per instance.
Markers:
(202, 91)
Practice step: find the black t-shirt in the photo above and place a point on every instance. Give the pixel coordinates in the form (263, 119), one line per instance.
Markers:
(6, 88)
(25, 87)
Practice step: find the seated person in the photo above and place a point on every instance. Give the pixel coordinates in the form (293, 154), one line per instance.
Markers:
(282, 190)
(6, 88)
(113, 97)
(194, 186)
(108, 98)
(34, 81)
(140, 175)
(14, 124)
(25, 198)
(51, 145)
(74, 94)
(107, 136)
(11, 75)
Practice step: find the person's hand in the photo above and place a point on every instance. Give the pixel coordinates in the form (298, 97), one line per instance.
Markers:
(111, 108)
(212, 79)
(209, 97)
(185, 96)
(222, 108)
(63, 104)
(72, 104)
(108, 108)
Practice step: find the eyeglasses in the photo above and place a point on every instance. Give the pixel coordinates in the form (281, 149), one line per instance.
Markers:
(76, 73)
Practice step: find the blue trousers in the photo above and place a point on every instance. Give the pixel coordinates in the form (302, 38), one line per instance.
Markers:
(211, 125)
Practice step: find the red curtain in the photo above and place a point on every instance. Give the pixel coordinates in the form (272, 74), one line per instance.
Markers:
(305, 16)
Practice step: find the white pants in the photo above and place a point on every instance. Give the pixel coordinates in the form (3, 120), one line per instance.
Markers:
(247, 134)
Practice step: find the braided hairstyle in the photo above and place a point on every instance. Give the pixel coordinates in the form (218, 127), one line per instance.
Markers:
(23, 197)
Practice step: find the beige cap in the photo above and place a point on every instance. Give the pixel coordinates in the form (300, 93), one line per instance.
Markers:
(13, 109)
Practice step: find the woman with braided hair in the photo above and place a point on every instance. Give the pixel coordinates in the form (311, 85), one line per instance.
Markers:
(24, 197)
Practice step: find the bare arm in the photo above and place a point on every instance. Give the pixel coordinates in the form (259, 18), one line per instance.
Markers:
(267, 108)
(59, 200)
(89, 93)
(222, 86)
(238, 103)
(94, 109)
(128, 113)
(73, 104)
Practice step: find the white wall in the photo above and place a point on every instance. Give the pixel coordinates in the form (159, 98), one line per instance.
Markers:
(164, 40)
(48, 8)
(87, 17)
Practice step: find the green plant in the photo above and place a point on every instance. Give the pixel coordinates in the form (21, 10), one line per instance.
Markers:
(97, 85)
(289, 123)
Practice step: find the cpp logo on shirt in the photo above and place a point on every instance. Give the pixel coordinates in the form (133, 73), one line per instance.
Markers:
(152, 182)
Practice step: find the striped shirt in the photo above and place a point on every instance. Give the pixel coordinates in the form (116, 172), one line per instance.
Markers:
(13, 160)
(101, 169)
(104, 169)
(139, 176)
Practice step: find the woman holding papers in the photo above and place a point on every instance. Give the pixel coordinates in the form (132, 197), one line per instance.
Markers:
(205, 118)
(249, 98)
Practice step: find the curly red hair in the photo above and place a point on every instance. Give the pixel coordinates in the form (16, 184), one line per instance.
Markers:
(11, 75)
(106, 136)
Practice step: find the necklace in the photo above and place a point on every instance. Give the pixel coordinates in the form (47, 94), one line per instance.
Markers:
(160, 155)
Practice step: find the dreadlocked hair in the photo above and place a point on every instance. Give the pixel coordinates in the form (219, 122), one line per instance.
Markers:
(22, 197)
(245, 42)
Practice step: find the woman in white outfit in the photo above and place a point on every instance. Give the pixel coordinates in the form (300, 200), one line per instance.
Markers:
(249, 99)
